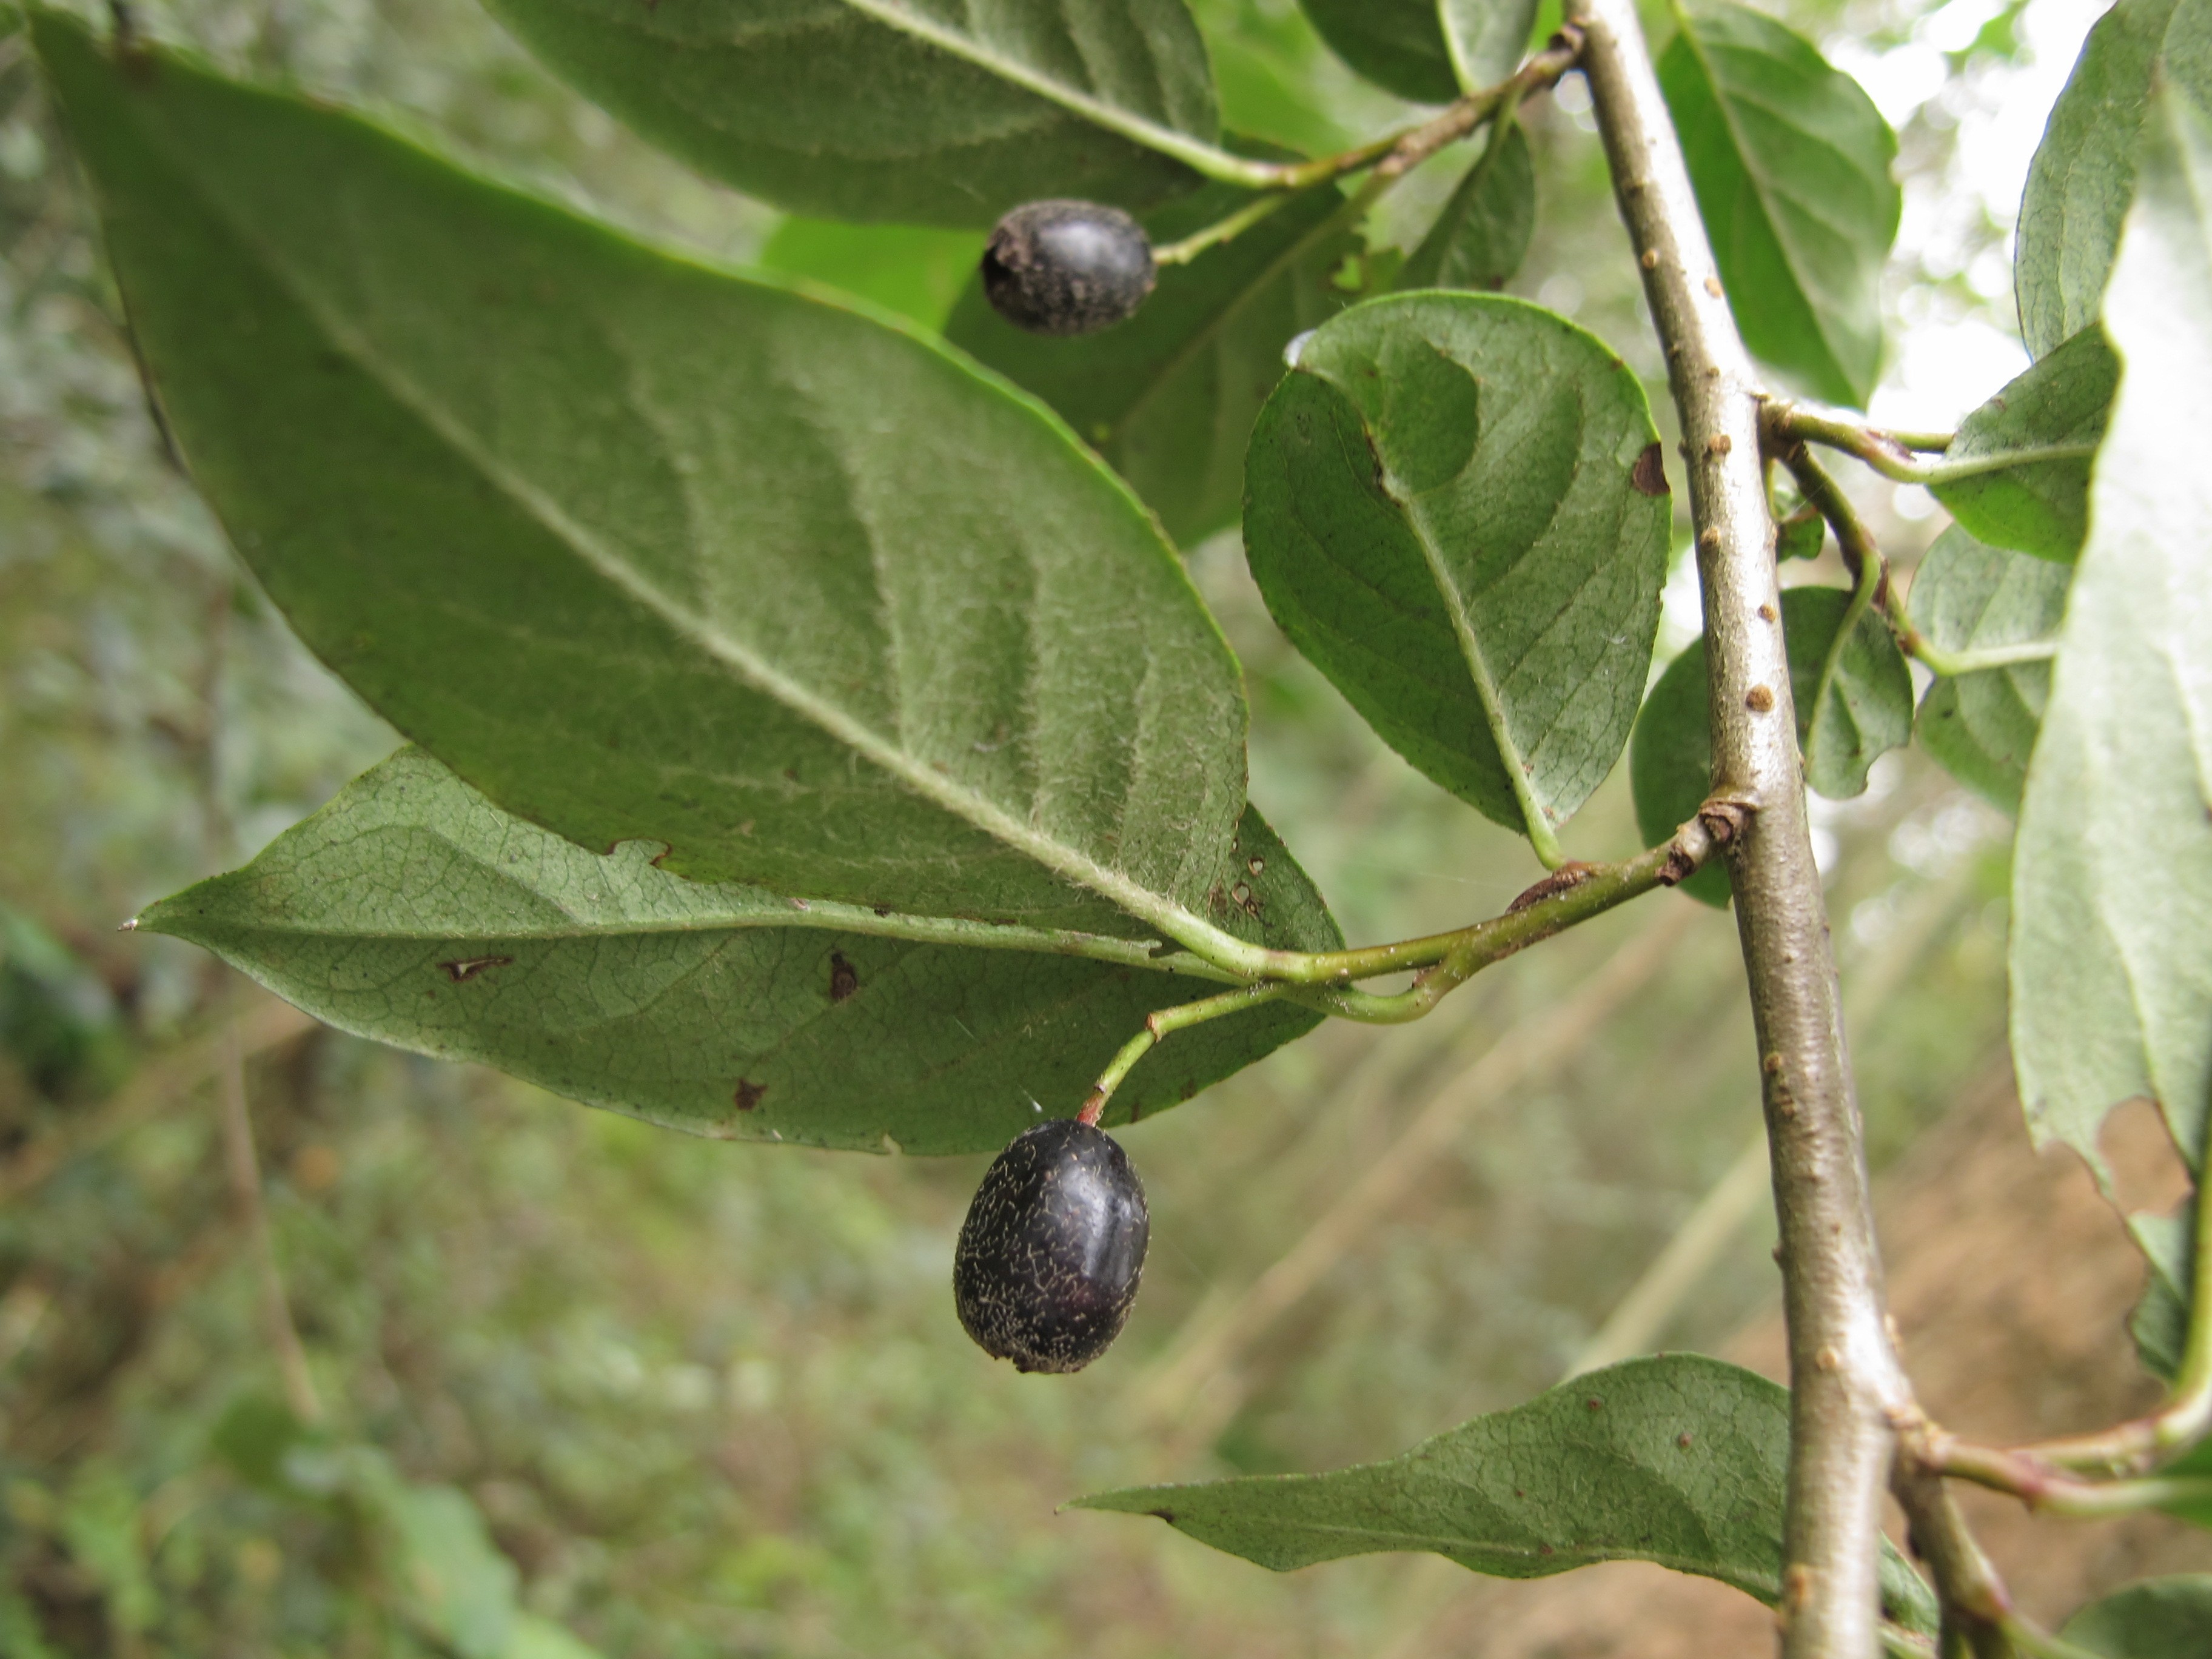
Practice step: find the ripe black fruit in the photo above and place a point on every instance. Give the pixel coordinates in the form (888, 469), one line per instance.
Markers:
(1048, 1258)
(1067, 267)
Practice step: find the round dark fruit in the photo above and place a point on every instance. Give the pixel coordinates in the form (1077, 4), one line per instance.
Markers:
(1067, 267)
(1049, 1257)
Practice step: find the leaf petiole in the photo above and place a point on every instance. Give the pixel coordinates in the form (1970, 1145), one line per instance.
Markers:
(1161, 1024)
(1392, 156)
(1895, 454)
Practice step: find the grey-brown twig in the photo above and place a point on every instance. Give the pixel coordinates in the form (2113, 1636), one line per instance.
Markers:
(1843, 1372)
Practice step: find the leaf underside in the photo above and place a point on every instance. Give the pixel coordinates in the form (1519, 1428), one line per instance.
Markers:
(2159, 1619)
(2112, 937)
(1399, 45)
(413, 911)
(1980, 727)
(646, 550)
(1454, 507)
(1679, 1460)
(2083, 173)
(1790, 161)
(926, 112)
(1170, 396)
(1482, 235)
(2042, 508)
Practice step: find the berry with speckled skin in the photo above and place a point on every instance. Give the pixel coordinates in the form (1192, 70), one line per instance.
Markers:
(1048, 1259)
(1067, 267)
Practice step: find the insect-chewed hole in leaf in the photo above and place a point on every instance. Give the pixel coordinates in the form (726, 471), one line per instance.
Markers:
(1049, 1256)
(1061, 267)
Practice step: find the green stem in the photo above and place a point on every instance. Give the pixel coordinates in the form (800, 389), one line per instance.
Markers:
(2148, 1444)
(1572, 894)
(1891, 453)
(2032, 1640)
(1949, 664)
(1161, 1024)
(1861, 557)
(1224, 230)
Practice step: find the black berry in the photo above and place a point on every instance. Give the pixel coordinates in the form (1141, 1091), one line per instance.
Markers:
(1048, 1258)
(1067, 267)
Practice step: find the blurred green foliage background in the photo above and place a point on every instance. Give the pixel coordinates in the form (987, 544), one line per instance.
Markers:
(589, 1387)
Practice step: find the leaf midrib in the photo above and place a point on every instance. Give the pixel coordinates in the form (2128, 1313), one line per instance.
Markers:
(1168, 141)
(1567, 1555)
(1760, 186)
(969, 808)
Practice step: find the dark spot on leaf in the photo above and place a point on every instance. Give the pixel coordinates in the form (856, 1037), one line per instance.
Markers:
(469, 967)
(843, 981)
(1167, 1516)
(749, 1094)
(1594, 1403)
(1650, 473)
(1683, 1440)
(882, 909)
(1543, 1549)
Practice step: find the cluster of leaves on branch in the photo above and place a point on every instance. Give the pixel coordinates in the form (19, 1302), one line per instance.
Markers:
(817, 739)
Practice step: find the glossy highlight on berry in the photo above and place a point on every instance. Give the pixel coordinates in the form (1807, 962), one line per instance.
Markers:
(1050, 1255)
(1062, 267)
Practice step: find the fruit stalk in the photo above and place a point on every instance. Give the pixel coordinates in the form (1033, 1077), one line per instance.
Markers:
(1845, 1375)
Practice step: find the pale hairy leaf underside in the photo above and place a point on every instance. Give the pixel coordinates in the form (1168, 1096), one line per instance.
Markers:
(2111, 978)
(2042, 507)
(927, 111)
(1679, 1460)
(412, 910)
(2083, 173)
(1981, 727)
(649, 550)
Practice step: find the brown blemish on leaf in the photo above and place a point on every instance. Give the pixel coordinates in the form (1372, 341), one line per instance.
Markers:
(1648, 475)
(461, 972)
(1683, 1440)
(749, 1094)
(1595, 1403)
(843, 981)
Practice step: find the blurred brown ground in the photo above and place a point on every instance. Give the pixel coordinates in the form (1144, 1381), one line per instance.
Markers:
(2011, 1277)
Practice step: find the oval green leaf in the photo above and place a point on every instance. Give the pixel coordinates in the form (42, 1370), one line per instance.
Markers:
(1487, 39)
(2159, 1619)
(1170, 396)
(913, 269)
(412, 910)
(2112, 980)
(1853, 696)
(2083, 175)
(1399, 45)
(1679, 1459)
(2043, 507)
(926, 112)
(1790, 162)
(1981, 727)
(1456, 508)
(649, 550)
(1482, 235)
